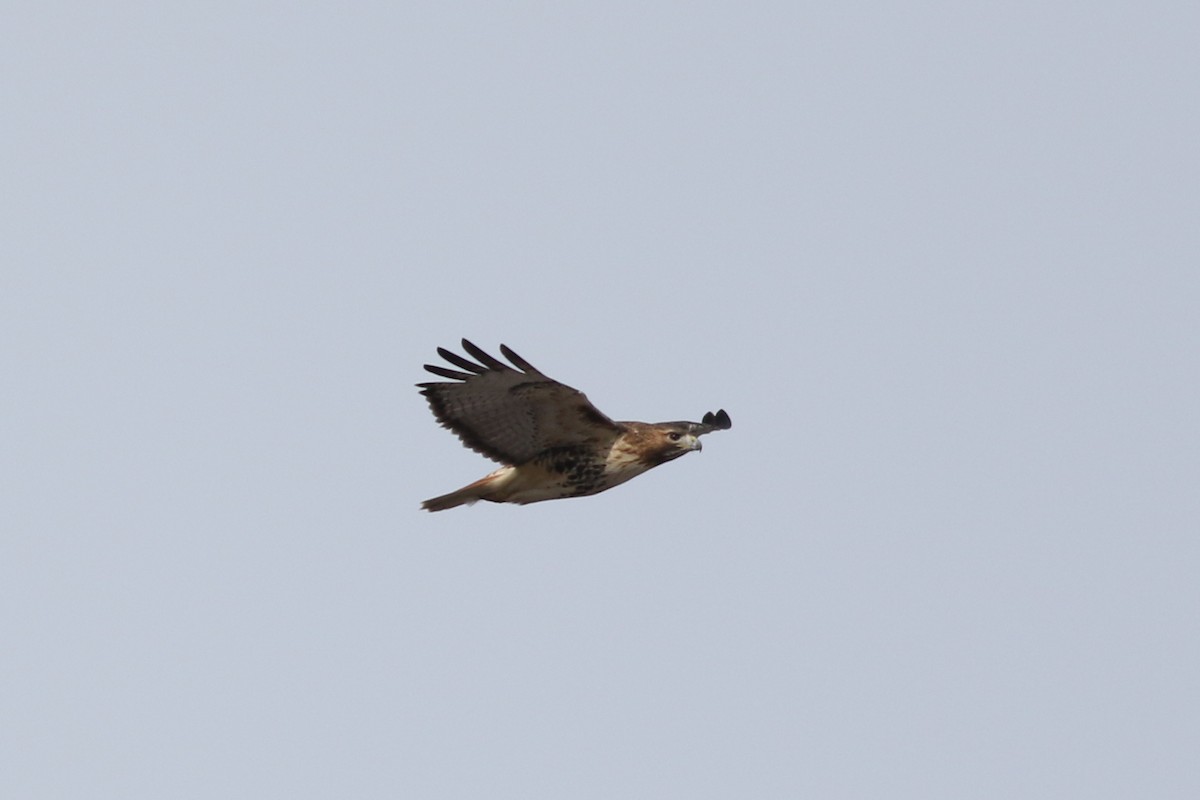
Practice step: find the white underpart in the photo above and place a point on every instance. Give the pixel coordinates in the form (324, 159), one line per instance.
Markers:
(530, 483)
(525, 484)
(621, 459)
(622, 465)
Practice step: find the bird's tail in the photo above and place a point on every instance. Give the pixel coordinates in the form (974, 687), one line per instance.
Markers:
(472, 492)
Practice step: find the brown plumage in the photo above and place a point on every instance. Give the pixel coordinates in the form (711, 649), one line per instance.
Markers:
(552, 442)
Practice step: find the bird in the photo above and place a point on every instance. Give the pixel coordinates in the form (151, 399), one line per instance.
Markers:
(551, 441)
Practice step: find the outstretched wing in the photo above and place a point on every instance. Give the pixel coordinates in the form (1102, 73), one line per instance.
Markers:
(510, 415)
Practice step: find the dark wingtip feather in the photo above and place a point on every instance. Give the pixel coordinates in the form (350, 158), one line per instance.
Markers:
(483, 357)
(445, 372)
(459, 361)
(719, 421)
(517, 361)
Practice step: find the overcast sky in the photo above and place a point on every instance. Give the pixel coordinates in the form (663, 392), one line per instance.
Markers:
(940, 262)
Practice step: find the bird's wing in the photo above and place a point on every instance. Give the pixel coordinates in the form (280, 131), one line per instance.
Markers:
(512, 413)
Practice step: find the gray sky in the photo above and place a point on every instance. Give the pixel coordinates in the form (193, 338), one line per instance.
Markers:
(940, 263)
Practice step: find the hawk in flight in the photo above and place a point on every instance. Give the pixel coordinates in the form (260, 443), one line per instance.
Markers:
(552, 442)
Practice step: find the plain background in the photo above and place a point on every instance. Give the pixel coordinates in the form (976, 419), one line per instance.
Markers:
(939, 261)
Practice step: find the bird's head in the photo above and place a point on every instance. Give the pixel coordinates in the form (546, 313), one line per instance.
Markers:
(674, 439)
(666, 441)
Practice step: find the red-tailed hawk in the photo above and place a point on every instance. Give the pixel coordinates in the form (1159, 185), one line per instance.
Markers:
(552, 442)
